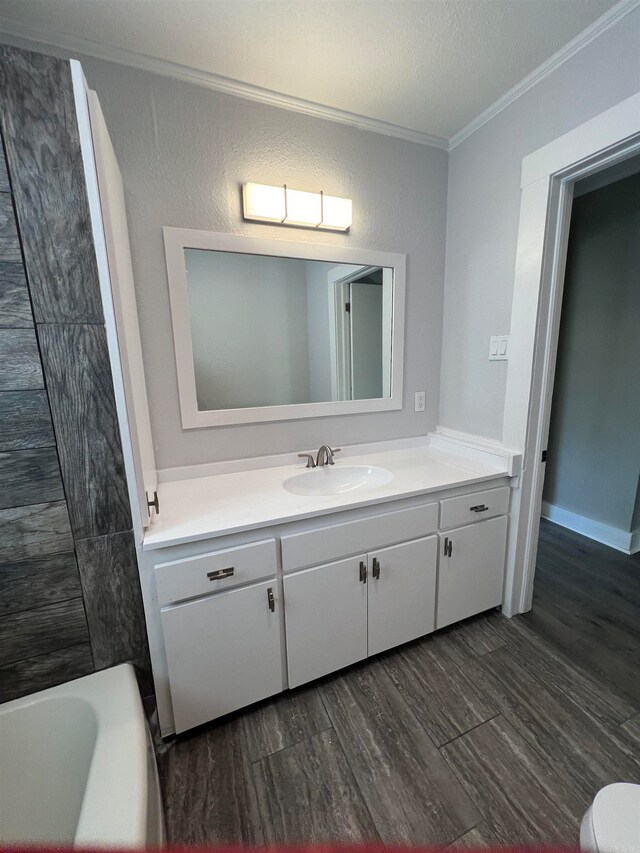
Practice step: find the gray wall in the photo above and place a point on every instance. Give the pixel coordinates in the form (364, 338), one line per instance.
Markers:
(249, 329)
(635, 520)
(483, 211)
(594, 440)
(184, 151)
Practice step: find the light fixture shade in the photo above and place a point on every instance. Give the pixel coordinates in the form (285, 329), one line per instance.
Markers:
(303, 208)
(285, 206)
(263, 202)
(337, 213)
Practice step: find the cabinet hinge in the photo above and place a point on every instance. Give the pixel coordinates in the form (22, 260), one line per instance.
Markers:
(544, 456)
(347, 307)
(154, 504)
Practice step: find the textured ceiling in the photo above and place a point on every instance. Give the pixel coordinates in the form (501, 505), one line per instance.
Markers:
(428, 65)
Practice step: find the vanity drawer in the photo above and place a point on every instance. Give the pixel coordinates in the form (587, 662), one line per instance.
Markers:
(192, 576)
(326, 544)
(476, 506)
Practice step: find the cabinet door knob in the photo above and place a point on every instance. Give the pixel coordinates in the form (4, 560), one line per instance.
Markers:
(271, 599)
(363, 571)
(376, 568)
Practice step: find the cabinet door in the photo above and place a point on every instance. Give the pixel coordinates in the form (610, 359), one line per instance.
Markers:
(326, 618)
(402, 593)
(223, 652)
(470, 579)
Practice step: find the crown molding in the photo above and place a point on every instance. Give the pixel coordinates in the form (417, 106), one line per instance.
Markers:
(38, 38)
(219, 83)
(597, 28)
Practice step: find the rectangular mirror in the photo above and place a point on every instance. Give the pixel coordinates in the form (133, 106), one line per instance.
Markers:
(268, 330)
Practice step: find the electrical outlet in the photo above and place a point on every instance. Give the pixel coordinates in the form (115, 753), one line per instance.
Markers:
(420, 400)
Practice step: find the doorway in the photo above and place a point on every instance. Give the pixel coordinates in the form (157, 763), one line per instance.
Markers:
(592, 473)
(547, 184)
(586, 596)
(362, 315)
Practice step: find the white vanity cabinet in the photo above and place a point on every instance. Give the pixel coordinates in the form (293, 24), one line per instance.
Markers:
(401, 593)
(471, 567)
(222, 631)
(342, 612)
(223, 652)
(325, 618)
(245, 615)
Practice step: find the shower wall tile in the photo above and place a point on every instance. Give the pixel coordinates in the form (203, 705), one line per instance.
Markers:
(63, 492)
(15, 307)
(34, 531)
(29, 477)
(25, 420)
(4, 176)
(37, 673)
(54, 626)
(28, 584)
(20, 360)
(78, 374)
(109, 578)
(9, 240)
(41, 138)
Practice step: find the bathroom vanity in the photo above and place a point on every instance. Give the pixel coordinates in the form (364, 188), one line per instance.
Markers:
(252, 589)
(260, 575)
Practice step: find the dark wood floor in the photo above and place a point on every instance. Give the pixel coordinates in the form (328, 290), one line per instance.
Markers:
(493, 731)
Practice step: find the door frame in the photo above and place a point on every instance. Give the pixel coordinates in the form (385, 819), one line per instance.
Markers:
(547, 181)
(340, 334)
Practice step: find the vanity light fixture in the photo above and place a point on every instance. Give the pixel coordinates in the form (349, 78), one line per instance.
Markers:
(284, 206)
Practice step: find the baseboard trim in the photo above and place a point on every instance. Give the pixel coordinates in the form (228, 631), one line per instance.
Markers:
(614, 537)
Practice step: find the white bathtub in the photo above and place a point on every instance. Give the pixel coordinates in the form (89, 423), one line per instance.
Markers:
(77, 766)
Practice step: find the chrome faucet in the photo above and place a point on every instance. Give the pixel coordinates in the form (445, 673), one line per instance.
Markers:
(323, 457)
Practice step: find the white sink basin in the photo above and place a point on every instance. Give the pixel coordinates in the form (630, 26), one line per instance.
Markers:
(336, 479)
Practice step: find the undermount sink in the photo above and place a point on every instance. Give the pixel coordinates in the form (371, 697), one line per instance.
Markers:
(336, 479)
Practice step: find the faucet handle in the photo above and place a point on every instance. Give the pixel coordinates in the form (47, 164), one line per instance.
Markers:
(310, 460)
(332, 453)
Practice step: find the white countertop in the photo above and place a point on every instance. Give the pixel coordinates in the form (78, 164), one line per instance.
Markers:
(204, 507)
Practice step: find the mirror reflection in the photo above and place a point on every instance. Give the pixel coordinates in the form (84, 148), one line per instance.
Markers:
(274, 331)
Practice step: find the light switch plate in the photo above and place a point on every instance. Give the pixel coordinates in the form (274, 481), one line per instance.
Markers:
(420, 400)
(499, 348)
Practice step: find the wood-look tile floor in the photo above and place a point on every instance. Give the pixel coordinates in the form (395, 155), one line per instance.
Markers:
(494, 731)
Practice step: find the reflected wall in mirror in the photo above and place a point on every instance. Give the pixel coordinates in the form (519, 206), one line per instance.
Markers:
(268, 330)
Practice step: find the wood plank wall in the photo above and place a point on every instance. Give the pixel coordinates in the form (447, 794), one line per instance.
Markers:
(70, 599)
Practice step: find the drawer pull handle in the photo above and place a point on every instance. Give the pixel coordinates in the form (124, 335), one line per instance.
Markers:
(479, 508)
(448, 547)
(363, 571)
(271, 600)
(376, 568)
(221, 573)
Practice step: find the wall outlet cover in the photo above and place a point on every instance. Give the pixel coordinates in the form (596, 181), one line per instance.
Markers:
(420, 401)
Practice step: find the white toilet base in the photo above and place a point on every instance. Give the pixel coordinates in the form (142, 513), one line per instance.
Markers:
(612, 822)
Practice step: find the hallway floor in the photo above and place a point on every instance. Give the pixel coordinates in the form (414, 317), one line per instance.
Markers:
(492, 731)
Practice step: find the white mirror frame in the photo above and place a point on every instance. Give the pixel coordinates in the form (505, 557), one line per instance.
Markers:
(176, 240)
